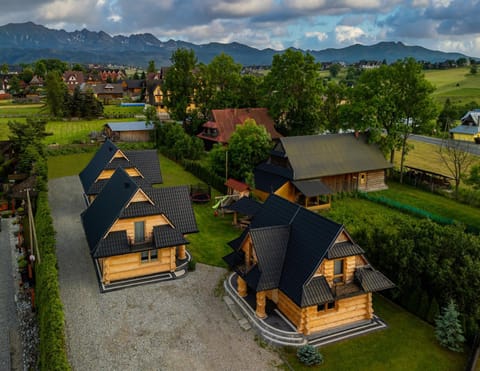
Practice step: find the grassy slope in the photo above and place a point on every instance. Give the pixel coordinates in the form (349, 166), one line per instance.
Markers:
(457, 84)
(424, 156)
(433, 203)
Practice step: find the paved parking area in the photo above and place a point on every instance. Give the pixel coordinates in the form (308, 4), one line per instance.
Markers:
(174, 325)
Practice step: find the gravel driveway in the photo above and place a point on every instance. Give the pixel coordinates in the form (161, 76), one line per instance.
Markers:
(173, 325)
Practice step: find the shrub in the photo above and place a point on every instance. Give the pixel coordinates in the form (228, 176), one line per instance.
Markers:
(448, 329)
(192, 265)
(309, 355)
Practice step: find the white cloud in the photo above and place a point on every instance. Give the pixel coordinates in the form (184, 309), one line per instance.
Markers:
(243, 8)
(320, 36)
(115, 18)
(67, 10)
(348, 34)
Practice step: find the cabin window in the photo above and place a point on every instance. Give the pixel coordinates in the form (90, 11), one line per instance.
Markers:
(144, 256)
(331, 305)
(139, 232)
(148, 256)
(338, 271)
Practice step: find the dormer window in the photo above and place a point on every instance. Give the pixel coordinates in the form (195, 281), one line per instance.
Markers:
(338, 271)
(139, 231)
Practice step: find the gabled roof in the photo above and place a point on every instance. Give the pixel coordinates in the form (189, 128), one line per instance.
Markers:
(145, 161)
(271, 255)
(310, 237)
(226, 120)
(236, 185)
(108, 88)
(130, 126)
(245, 206)
(114, 202)
(99, 161)
(99, 217)
(175, 203)
(471, 117)
(268, 177)
(466, 129)
(316, 156)
(290, 243)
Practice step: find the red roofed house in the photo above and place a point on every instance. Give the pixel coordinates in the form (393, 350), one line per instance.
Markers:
(225, 121)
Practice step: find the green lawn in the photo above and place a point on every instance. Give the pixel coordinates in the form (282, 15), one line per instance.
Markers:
(118, 110)
(407, 344)
(22, 109)
(209, 245)
(432, 203)
(455, 83)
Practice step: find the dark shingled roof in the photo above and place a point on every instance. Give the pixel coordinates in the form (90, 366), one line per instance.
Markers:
(372, 280)
(290, 243)
(245, 206)
(113, 203)
(97, 164)
(343, 249)
(272, 245)
(312, 187)
(145, 161)
(166, 236)
(268, 178)
(107, 207)
(175, 203)
(316, 156)
(316, 292)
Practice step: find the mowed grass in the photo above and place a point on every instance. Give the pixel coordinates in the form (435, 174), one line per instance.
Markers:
(407, 344)
(433, 203)
(22, 109)
(209, 245)
(455, 83)
(425, 156)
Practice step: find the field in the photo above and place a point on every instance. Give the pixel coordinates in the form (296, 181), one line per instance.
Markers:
(456, 83)
(424, 156)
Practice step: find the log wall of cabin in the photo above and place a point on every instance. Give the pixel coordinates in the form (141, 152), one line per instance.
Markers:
(130, 265)
(135, 136)
(375, 181)
(346, 311)
(290, 310)
(129, 225)
(107, 174)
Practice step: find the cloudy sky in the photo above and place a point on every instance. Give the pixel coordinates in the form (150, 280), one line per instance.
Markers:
(447, 25)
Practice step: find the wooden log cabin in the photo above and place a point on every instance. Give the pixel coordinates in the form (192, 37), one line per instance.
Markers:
(307, 265)
(131, 131)
(134, 232)
(142, 165)
(308, 169)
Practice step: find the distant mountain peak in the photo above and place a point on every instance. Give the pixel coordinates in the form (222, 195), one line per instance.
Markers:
(27, 42)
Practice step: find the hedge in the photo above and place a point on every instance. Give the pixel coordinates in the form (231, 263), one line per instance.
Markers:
(51, 321)
(204, 173)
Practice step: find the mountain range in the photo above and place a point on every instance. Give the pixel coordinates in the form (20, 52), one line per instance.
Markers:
(28, 42)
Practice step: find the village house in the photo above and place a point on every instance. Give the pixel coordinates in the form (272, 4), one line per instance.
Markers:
(469, 129)
(130, 131)
(304, 265)
(138, 235)
(73, 79)
(142, 165)
(308, 169)
(225, 121)
(107, 92)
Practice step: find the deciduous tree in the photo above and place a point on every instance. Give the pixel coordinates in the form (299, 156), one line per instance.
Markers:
(179, 83)
(293, 93)
(55, 89)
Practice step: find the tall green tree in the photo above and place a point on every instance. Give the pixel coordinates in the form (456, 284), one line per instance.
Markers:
(293, 93)
(179, 83)
(250, 93)
(332, 108)
(55, 90)
(414, 101)
(218, 84)
(151, 67)
(40, 69)
(447, 116)
(249, 145)
(392, 102)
